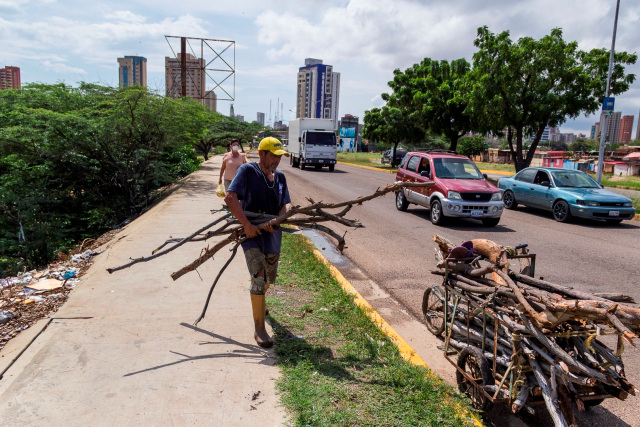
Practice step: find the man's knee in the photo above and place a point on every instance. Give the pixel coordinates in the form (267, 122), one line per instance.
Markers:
(258, 284)
(272, 267)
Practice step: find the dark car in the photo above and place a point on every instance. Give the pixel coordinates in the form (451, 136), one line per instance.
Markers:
(386, 156)
(566, 193)
(460, 190)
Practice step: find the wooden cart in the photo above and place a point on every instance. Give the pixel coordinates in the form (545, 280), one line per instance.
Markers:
(495, 368)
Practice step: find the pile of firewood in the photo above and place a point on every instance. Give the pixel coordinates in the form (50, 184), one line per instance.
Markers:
(546, 335)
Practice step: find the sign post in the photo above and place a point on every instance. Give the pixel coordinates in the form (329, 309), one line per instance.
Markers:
(607, 103)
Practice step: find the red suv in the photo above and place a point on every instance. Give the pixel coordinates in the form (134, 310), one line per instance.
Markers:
(460, 190)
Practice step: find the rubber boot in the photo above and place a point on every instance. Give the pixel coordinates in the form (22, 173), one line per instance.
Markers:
(259, 306)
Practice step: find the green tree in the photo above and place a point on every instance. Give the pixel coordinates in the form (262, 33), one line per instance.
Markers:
(428, 91)
(584, 145)
(530, 84)
(471, 145)
(77, 161)
(390, 126)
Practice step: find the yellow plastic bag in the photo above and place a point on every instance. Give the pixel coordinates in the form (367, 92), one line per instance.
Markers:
(220, 191)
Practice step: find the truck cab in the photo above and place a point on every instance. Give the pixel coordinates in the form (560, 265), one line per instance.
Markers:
(312, 142)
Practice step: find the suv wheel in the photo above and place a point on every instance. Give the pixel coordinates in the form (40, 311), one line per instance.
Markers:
(401, 201)
(437, 217)
(509, 200)
(561, 212)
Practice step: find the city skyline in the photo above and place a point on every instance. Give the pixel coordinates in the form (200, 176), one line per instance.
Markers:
(71, 42)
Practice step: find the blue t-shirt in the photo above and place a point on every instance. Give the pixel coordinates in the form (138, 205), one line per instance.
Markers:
(257, 194)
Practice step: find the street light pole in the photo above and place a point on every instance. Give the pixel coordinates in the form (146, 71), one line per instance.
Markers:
(603, 127)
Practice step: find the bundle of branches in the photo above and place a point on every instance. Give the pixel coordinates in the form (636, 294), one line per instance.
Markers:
(544, 334)
(313, 216)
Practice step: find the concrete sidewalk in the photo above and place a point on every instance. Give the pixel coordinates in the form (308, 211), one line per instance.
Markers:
(122, 350)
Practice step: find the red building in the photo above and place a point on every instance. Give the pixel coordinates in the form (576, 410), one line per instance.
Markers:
(554, 159)
(10, 78)
(626, 124)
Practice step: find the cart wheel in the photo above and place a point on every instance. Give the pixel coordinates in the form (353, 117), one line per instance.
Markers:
(433, 310)
(474, 364)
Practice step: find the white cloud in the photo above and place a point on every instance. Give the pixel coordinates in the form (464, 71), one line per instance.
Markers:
(396, 34)
(60, 67)
(14, 5)
(126, 16)
(100, 41)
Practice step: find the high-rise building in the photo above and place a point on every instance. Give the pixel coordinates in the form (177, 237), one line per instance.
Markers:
(260, 118)
(231, 112)
(240, 117)
(595, 131)
(133, 71)
(626, 126)
(318, 91)
(546, 134)
(195, 80)
(211, 100)
(612, 126)
(10, 78)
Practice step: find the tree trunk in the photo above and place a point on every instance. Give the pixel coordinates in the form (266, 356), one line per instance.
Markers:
(393, 155)
(453, 137)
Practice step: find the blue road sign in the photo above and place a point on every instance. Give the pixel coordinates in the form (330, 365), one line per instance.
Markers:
(607, 104)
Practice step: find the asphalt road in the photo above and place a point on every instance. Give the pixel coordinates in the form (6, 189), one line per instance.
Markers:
(395, 251)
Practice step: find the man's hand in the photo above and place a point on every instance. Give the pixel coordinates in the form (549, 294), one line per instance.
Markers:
(268, 227)
(251, 231)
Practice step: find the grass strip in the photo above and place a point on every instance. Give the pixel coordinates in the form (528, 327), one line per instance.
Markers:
(364, 159)
(337, 367)
(628, 182)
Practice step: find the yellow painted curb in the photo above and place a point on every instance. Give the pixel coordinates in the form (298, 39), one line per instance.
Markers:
(405, 349)
(371, 168)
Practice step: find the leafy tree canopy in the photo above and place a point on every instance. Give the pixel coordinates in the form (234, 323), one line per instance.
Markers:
(526, 85)
(75, 161)
(584, 145)
(390, 126)
(471, 145)
(428, 91)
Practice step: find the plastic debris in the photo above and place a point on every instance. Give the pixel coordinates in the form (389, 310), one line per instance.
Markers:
(84, 255)
(69, 274)
(6, 315)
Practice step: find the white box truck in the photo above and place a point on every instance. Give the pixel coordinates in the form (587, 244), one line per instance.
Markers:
(312, 142)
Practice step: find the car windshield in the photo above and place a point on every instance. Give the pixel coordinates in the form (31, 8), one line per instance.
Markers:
(573, 179)
(455, 168)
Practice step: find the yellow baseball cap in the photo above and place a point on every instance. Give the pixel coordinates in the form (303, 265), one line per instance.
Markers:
(272, 144)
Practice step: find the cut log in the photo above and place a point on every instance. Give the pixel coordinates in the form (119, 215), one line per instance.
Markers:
(552, 404)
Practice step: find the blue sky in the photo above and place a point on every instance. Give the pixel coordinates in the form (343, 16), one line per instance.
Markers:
(365, 40)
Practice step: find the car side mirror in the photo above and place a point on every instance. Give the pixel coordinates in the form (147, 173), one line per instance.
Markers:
(426, 173)
(485, 176)
(545, 184)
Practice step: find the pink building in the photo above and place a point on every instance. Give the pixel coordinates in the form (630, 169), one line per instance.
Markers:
(626, 125)
(10, 78)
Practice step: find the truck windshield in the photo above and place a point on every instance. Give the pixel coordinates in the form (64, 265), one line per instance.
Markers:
(321, 138)
(455, 168)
